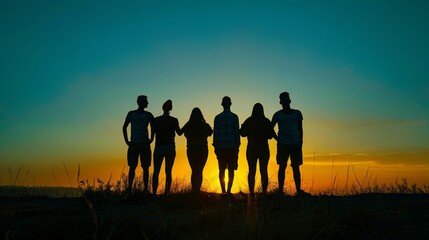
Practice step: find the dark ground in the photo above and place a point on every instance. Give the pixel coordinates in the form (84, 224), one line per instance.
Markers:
(215, 216)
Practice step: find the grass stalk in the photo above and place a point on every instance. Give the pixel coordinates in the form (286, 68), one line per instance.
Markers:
(67, 172)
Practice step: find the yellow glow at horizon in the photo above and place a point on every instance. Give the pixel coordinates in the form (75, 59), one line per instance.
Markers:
(319, 174)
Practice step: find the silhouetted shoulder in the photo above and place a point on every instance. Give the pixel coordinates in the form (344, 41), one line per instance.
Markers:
(150, 114)
(298, 114)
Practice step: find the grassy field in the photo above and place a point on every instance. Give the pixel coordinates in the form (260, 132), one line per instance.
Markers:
(104, 212)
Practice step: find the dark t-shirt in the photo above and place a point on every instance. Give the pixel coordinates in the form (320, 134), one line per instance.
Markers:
(164, 128)
(196, 133)
(257, 131)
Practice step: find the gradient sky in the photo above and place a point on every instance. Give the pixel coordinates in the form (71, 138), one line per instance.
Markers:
(71, 70)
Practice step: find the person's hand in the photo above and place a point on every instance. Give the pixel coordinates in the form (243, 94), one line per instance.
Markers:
(128, 143)
(150, 140)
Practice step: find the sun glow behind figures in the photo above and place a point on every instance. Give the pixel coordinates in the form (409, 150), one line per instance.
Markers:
(65, 90)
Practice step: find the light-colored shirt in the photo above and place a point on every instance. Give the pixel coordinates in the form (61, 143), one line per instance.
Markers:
(226, 131)
(139, 123)
(288, 126)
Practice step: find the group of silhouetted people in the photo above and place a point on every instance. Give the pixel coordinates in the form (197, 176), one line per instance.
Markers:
(226, 141)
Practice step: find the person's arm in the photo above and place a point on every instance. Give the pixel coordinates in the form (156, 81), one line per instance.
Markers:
(152, 130)
(273, 124)
(244, 129)
(178, 130)
(125, 132)
(270, 130)
(209, 130)
(301, 132)
(184, 129)
(274, 121)
(237, 127)
(215, 132)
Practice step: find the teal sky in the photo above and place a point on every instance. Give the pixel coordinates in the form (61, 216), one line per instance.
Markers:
(71, 70)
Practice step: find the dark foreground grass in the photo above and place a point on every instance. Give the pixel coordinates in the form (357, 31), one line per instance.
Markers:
(112, 215)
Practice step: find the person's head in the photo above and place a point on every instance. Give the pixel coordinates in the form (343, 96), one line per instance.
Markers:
(258, 111)
(196, 116)
(167, 106)
(142, 101)
(284, 99)
(226, 102)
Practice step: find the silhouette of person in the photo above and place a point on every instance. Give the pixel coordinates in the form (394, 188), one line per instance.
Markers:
(289, 143)
(140, 142)
(258, 129)
(196, 131)
(164, 129)
(226, 141)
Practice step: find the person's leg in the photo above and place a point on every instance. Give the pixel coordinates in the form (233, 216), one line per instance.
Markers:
(145, 158)
(232, 160)
(131, 174)
(222, 166)
(282, 157)
(281, 176)
(146, 178)
(193, 162)
(296, 161)
(230, 179)
(263, 168)
(169, 161)
(251, 161)
(157, 162)
(201, 158)
(132, 158)
(297, 178)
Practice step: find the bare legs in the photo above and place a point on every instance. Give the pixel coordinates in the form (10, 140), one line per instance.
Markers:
(222, 180)
(197, 158)
(169, 161)
(296, 177)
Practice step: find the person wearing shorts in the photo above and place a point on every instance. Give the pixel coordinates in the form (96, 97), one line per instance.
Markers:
(226, 141)
(165, 128)
(289, 142)
(139, 146)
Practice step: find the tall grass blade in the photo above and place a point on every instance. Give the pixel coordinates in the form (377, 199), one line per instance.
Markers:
(357, 180)
(17, 175)
(365, 180)
(346, 186)
(108, 182)
(67, 172)
(55, 178)
(25, 177)
(10, 173)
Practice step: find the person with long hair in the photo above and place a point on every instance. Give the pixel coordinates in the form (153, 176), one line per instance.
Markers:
(165, 128)
(258, 130)
(197, 131)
